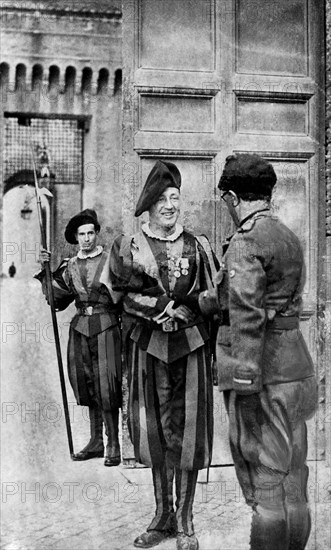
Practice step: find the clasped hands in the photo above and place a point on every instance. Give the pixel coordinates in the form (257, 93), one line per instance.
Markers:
(181, 312)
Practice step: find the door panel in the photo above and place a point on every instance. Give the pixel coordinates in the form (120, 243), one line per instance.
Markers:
(272, 37)
(206, 78)
(158, 45)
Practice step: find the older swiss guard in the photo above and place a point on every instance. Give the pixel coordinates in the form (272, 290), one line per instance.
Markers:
(162, 270)
(265, 369)
(94, 348)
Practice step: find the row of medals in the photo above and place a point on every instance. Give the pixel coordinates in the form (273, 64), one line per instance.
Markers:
(180, 266)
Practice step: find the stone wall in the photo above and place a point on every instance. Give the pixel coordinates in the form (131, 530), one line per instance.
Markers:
(328, 116)
(63, 59)
(328, 226)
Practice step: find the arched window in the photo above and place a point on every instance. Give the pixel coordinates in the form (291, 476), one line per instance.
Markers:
(87, 80)
(117, 81)
(70, 81)
(4, 74)
(20, 77)
(103, 80)
(54, 78)
(37, 76)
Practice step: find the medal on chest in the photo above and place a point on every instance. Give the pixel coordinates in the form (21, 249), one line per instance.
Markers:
(181, 267)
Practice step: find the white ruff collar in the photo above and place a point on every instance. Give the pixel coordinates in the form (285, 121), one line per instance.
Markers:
(93, 254)
(173, 237)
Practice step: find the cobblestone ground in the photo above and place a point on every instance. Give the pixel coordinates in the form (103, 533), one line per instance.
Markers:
(50, 502)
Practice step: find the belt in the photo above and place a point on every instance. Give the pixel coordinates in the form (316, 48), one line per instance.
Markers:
(90, 310)
(281, 322)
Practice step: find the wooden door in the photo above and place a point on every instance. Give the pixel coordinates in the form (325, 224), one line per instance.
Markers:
(204, 78)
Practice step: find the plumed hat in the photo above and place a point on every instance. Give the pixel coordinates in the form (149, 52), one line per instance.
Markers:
(163, 175)
(249, 176)
(86, 216)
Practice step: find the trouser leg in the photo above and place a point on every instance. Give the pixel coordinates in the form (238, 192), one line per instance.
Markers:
(267, 429)
(185, 489)
(163, 477)
(96, 426)
(110, 419)
(95, 447)
(269, 523)
(298, 515)
(163, 523)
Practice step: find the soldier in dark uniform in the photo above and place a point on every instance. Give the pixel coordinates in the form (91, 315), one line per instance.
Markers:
(94, 348)
(163, 269)
(265, 369)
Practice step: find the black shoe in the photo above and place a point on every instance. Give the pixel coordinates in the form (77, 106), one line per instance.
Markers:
(187, 542)
(151, 538)
(86, 455)
(112, 460)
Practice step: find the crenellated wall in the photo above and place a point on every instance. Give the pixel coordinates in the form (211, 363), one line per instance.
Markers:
(63, 60)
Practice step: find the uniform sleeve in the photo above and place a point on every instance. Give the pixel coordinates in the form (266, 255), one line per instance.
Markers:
(247, 312)
(215, 300)
(205, 302)
(142, 294)
(120, 263)
(62, 292)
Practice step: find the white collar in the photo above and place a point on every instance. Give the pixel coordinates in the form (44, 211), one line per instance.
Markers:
(93, 254)
(173, 237)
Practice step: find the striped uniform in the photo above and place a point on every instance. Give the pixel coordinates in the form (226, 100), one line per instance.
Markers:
(169, 365)
(94, 348)
(170, 380)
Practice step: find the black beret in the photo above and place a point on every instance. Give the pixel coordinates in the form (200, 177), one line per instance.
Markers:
(250, 176)
(163, 175)
(86, 216)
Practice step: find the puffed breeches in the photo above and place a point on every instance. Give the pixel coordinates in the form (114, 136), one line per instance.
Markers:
(94, 367)
(171, 409)
(268, 440)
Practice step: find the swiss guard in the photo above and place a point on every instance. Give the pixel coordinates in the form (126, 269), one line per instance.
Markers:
(94, 348)
(264, 367)
(162, 269)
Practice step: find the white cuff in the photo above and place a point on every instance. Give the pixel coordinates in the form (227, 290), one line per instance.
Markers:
(163, 316)
(243, 381)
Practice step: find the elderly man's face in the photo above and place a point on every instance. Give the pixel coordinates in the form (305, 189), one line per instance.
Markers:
(164, 213)
(86, 237)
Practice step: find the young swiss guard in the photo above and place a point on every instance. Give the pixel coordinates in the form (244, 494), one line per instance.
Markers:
(265, 369)
(162, 269)
(94, 348)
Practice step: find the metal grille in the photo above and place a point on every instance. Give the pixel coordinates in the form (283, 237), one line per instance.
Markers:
(62, 138)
